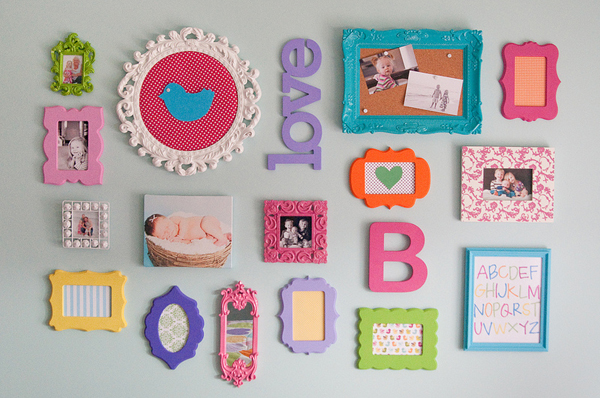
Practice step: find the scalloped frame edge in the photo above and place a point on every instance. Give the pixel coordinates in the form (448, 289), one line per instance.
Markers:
(469, 40)
(195, 331)
(427, 318)
(248, 90)
(307, 285)
(95, 117)
(529, 113)
(114, 279)
(422, 178)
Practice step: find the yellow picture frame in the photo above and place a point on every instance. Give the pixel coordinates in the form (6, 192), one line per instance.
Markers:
(114, 322)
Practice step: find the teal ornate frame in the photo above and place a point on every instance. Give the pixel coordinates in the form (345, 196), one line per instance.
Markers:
(72, 46)
(470, 41)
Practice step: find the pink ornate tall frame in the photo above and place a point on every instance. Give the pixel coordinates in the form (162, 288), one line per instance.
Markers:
(94, 116)
(529, 50)
(541, 162)
(316, 211)
(239, 297)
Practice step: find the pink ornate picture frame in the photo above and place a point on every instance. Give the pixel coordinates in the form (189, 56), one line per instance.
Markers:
(73, 145)
(239, 326)
(529, 195)
(529, 81)
(295, 231)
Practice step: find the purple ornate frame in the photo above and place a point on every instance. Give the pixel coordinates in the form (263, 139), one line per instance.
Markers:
(286, 315)
(239, 298)
(195, 321)
(94, 116)
(316, 210)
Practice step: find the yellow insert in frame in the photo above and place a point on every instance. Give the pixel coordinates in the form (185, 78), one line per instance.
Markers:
(63, 317)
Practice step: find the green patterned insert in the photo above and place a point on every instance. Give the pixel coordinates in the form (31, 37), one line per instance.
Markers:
(173, 328)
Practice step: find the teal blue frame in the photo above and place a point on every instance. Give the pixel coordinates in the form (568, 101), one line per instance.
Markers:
(471, 254)
(470, 41)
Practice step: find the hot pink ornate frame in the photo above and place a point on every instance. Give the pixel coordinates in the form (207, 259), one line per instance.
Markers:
(316, 210)
(541, 206)
(94, 116)
(239, 298)
(507, 81)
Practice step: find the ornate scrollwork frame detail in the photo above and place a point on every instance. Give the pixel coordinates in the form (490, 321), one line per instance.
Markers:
(353, 121)
(316, 211)
(240, 297)
(72, 46)
(248, 90)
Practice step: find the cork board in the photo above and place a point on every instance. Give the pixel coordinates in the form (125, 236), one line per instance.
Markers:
(442, 62)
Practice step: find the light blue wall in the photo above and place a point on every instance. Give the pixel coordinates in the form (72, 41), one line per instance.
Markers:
(37, 361)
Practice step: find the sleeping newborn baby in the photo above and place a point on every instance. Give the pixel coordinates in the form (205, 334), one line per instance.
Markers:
(185, 229)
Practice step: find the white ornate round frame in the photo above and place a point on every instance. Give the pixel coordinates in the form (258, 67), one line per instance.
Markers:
(246, 118)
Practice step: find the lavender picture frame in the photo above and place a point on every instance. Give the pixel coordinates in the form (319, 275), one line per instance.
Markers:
(195, 330)
(329, 314)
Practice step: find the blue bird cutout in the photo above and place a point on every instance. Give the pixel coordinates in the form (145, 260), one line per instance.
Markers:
(186, 107)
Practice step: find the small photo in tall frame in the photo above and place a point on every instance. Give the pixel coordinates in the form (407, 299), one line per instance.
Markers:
(72, 64)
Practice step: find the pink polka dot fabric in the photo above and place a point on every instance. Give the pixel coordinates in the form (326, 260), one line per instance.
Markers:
(193, 71)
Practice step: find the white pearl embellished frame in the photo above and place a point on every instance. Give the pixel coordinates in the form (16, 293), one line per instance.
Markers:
(85, 224)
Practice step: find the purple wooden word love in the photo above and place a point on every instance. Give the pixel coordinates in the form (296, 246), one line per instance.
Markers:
(308, 152)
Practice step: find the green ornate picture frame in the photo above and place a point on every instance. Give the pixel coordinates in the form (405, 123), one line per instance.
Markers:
(397, 338)
(72, 65)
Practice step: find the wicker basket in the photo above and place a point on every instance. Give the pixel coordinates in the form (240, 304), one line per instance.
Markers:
(162, 257)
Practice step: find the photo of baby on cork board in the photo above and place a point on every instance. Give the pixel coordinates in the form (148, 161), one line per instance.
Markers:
(188, 231)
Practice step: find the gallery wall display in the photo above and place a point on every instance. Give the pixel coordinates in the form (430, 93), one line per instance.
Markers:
(529, 81)
(87, 300)
(73, 145)
(308, 315)
(390, 178)
(397, 338)
(174, 327)
(295, 231)
(506, 299)
(85, 224)
(72, 62)
(239, 326)
(412, 81)
(507, 184)
(189, 101)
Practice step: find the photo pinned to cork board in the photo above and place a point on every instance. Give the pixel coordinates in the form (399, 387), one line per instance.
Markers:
(188, 231)
(412, 81)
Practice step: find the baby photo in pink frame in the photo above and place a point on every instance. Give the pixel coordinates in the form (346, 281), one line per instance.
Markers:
(295, 231)
(73, 145)
(507, 184)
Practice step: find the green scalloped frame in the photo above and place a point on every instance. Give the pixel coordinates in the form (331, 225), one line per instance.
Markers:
(72, 46)
(368, 317)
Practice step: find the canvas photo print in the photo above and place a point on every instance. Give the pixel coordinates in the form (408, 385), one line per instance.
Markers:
(388, 69)
(433, 93)
(188, 231)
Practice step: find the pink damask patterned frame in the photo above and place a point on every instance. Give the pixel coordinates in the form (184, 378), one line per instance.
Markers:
(539, 208)
(276, 214)
(238, 371)
(53, 173)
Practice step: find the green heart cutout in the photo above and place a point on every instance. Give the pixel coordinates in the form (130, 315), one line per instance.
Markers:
(389, 178)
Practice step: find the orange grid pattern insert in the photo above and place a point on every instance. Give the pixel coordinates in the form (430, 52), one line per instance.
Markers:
(530, 81)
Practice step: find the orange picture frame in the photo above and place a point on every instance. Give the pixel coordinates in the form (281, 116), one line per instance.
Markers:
(389, 193)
